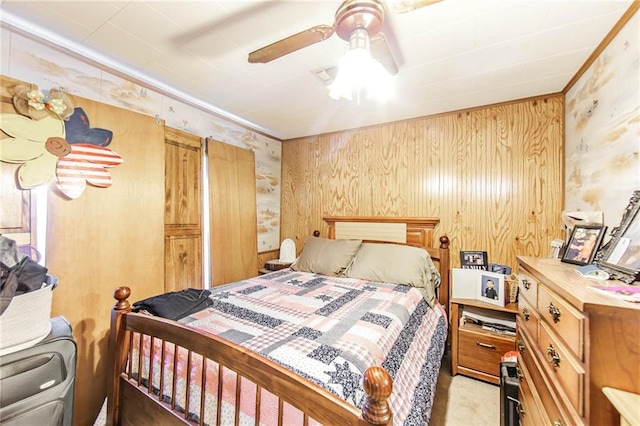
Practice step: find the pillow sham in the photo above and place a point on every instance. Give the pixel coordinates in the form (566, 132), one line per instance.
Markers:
(325, 256)
(397, 264)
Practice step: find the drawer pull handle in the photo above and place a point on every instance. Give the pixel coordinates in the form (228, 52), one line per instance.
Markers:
(554, 311)
(525, 314)
(521, 347)
(526, 284)
(485, 345)
(552, 356)
(557, 422)
(520, 410)
(519, 374)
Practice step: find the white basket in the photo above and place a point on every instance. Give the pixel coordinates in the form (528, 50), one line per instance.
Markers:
(26, 321)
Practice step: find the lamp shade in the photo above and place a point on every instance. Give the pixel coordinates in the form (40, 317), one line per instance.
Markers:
(287, 251)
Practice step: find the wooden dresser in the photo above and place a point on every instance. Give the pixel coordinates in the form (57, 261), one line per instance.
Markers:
(572, 342)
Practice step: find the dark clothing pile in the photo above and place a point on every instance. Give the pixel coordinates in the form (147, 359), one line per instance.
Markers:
(176, 304)
(18, 273)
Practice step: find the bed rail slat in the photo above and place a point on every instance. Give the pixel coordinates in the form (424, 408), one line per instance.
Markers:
(174, 382)
(151, 365)
(129, 364)
(236, 421)
(258, 401)
(203, 387)
(219, 408)
(140, 343)
(280, 411)
(188, 382)
(163, 354)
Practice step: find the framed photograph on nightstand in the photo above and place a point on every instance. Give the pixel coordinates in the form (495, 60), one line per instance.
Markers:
(491, 288)
(473, 260)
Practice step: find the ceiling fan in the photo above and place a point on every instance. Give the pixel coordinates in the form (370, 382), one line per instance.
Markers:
(352, 16)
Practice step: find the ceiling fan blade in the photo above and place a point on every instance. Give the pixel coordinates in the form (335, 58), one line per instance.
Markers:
(403, 6)
(291, 44)
(380, 50)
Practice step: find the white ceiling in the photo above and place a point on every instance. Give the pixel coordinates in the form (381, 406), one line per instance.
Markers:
(452, 55)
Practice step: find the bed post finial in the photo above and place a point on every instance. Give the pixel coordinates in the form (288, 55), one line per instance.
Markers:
(121, 294)
(377, 384)
(444, 242)
(316, 233)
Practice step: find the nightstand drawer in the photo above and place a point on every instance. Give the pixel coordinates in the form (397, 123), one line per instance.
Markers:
(483, 351)
(563, 367)
(563, 319)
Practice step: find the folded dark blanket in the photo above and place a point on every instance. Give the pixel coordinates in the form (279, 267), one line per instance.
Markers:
(176, 304)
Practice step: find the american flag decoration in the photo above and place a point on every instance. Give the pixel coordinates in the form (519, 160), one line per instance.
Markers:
(85, 163)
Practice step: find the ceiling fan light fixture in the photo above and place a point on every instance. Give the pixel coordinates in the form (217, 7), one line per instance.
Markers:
(359, 73)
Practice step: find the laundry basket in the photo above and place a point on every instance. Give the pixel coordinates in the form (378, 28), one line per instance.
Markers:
(26, 321)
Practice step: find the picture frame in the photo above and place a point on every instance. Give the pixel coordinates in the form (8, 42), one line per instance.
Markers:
(491, 289)
(499, 268)
(473, 260)
(620, 257)
(583, 244)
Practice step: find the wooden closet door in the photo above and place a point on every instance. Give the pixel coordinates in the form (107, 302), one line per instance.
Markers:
(182, 211)
(232, 210)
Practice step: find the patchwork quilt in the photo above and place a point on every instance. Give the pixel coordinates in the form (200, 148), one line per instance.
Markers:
(326, 329)
(329, 330)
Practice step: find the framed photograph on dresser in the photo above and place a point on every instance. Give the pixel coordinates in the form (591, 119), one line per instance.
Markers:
(583, 244)
(621, 255)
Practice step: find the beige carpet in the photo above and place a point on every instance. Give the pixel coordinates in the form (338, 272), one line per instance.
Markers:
(463, 401)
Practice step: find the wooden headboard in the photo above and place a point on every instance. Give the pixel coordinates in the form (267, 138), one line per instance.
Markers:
(413, 231)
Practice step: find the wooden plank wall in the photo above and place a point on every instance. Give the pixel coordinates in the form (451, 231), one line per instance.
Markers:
(493, 175)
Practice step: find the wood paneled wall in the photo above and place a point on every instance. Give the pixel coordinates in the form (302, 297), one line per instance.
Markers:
(493, 175)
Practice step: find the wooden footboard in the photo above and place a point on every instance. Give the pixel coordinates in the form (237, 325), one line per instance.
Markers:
(132, 401)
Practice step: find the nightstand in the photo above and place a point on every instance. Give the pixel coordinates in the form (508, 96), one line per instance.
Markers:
(475, 351)
(273, 265)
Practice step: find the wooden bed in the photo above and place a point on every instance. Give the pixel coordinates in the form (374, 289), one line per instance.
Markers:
(130, 401)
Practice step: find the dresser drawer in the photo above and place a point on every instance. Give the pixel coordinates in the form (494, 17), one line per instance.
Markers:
(528, 287)
(529, 317)
(562, 367)
(564, 319)
(530, 408)
(483, 351)
(553, 406)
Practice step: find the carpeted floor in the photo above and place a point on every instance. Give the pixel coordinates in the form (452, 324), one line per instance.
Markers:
(463, 401)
